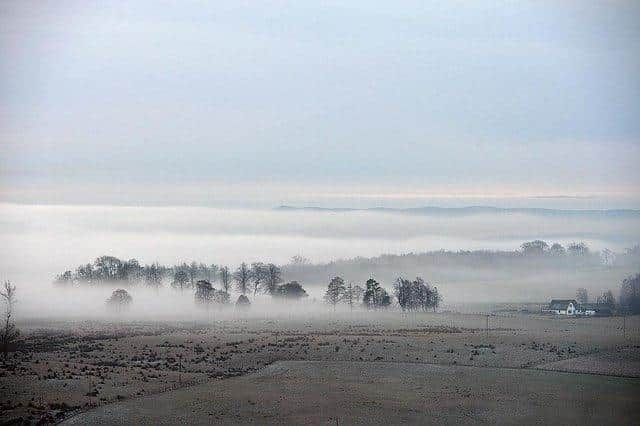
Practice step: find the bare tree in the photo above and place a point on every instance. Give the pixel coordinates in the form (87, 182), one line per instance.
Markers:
(9, 331)
(435, 299)
(335, 291)
(273, 277)
(353, 294)
(193, 270)
(242, 276)
(258, 275)
(214, 270)
(225, 278)
(180, 280)
(153, 275)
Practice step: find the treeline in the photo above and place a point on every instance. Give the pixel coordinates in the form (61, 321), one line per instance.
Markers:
(576, 261)
(258, 275)
(537, 251)
(109, 270)
(411, 295)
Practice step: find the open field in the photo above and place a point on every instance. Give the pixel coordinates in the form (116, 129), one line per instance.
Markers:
(321, 392)
(68, 368)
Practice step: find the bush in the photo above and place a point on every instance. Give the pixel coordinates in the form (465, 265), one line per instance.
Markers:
(243, 302)
(120, 300)
(291, 290)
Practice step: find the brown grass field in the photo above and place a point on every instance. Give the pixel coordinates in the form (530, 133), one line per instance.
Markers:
(350, 368)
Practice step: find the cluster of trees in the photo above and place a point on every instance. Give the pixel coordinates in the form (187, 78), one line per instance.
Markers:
(577, 261)
(259, 277)
(416, 295)
(574, 250)
(628, 302)
(206, 294)
(339, 292)
(539, 247)
(375, 297)
(607, 298)
(411, 295)
(246, 279)
(254, 278)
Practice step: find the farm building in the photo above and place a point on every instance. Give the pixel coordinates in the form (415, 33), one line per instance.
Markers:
(562, 307)
(571, 307)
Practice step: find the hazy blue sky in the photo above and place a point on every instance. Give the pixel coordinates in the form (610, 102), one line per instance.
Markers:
(519, 98)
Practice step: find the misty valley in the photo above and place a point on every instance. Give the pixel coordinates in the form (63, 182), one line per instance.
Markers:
(294, 212)
(147, 341)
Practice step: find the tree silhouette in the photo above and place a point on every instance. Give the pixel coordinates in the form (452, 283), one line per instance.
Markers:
(204, 292)
(242, 276)
(120, 300)
(180, 280)
(335, 291)
(375, 296)
(9, 331)
(630, 294)
(225, 278)
(353, 295)
(273, 277)
(258, 275)
(290, 290)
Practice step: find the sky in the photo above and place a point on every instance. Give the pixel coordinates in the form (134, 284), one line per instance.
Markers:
(354, 102)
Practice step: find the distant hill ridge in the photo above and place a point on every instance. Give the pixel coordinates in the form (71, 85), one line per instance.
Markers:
(472, 210)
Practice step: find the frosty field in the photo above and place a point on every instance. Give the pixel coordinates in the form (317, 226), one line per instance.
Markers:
(423, 367)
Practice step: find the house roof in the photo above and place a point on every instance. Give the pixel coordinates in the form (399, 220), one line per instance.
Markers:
(562, 303)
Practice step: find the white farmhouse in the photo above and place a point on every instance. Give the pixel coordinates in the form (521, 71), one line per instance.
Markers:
(562, 307)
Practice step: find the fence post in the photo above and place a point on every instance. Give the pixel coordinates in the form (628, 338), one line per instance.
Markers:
(487, 326)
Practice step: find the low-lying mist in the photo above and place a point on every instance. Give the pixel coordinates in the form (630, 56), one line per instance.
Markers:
(39, 242)
(155, 305)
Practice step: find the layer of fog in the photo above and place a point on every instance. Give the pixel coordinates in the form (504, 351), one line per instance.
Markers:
(45, 240)
(39, 242)
(156, 305)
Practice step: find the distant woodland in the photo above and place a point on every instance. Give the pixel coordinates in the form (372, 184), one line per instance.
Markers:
(537, 270)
